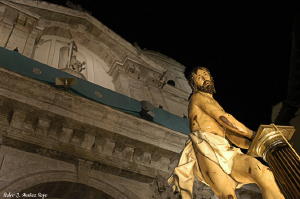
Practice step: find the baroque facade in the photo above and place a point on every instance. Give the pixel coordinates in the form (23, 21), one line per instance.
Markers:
(67, 146)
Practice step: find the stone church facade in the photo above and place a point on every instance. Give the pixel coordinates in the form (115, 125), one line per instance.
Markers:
(67, 146)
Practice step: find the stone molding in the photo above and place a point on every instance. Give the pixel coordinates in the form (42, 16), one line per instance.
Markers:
(36, 16)
(24, 170)
(137, 71)
(117, 40)
(162, 59)
(38, 114)
(138, 68)
(180, 95)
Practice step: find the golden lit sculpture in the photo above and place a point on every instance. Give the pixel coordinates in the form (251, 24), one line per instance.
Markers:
(209, 155)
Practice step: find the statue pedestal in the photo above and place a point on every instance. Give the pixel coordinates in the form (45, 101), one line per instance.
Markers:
(271, 143)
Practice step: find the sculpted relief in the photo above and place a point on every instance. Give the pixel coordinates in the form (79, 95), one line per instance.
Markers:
(69, 58)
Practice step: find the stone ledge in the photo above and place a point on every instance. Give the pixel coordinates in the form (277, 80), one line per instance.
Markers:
(47, 98)
(20, 9)
(57, 122)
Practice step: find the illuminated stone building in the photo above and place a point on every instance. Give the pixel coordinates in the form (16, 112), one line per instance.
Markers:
(89, 139)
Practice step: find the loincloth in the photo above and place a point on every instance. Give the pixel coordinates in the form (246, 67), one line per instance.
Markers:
(212, 146)
(216, 148)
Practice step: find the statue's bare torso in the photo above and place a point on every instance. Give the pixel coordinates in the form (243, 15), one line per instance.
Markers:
(200, 120)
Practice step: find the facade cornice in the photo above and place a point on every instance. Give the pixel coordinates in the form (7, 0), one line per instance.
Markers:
(58, 123)
(171, 62)
(25, 11)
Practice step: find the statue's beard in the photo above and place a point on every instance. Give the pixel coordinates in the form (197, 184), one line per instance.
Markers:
(207, 87)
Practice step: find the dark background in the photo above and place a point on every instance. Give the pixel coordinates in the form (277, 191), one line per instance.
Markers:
(247, 50)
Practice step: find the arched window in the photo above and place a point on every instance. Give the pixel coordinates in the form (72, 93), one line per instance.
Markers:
(171, 82)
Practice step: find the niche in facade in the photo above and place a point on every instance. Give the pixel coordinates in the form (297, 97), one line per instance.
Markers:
(71, 59)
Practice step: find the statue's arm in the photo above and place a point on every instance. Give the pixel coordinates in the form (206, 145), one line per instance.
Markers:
(238, 140)
(212, 108)
(235, 126)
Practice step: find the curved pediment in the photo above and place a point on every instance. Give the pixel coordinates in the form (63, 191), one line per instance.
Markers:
(163, 60)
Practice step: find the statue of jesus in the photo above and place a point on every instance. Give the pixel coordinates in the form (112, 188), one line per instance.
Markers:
(212, 152)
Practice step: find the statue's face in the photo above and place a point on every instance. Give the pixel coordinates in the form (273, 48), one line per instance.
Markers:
(203, 81)
(201, 78)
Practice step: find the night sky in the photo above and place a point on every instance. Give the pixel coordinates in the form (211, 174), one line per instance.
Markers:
(247, 51)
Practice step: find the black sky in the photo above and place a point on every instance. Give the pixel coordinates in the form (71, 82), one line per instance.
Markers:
(247, 51)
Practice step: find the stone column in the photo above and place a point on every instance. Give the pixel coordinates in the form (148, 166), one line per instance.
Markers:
(271, 143)
(7, 25)
(285, 165)
(31, 41)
